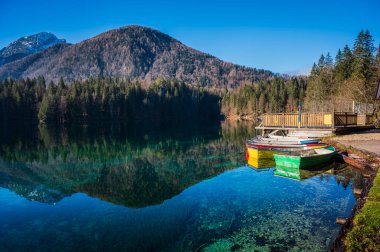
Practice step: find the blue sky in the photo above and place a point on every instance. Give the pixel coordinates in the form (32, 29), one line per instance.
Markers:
(282, 36)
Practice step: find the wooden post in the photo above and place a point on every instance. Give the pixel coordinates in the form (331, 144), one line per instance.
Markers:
(345, 119)
(333, 118)
(299, 114)
(323, 119)
(307, 120)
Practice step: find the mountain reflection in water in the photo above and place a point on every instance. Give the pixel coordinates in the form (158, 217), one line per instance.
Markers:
(127, 165)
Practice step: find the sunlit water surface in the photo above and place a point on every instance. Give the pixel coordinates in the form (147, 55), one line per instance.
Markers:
(138, 189)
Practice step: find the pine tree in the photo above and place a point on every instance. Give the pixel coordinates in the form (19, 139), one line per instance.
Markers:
(262, 102)
(362, 84)
(43, 111)
(314, 69)
(339, 57)
(377, 65)
(363, 53)
(329, 63)
(41, 88)
(339, 75)
(321, 63)
(320, 84)
(348, 61)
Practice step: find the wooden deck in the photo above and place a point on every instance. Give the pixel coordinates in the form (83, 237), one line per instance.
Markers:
(332, 122)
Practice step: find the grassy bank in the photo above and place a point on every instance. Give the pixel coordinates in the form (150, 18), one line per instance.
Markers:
(365, 234)
(362, 232)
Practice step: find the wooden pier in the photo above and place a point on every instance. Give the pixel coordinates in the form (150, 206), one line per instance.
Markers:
(337, 122)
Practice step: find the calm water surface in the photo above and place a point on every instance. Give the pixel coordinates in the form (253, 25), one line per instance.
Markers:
(121, 188)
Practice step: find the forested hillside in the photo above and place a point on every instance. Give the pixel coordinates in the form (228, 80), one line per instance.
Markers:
(353, 75)
(275, 96)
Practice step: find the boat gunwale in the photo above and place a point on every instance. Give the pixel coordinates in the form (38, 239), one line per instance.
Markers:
(299, 157)
(284, 147)
(255, 142)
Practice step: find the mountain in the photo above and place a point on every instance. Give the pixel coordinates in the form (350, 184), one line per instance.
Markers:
(28, 45)
(132, 52)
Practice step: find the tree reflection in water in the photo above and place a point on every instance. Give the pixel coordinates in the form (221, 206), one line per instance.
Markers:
(131, 165)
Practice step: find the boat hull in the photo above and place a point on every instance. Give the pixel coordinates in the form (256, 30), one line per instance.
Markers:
(255, 153)
(301, 162)
(267, 152)
(285, 146)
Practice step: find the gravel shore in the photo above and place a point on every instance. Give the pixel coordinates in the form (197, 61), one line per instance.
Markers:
(368, 141)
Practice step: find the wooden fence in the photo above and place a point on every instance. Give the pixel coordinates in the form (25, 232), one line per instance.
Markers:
(365, 119)
(345, 119)
(314, 120)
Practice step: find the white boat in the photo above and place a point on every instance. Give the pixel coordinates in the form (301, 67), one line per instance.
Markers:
(284, 139)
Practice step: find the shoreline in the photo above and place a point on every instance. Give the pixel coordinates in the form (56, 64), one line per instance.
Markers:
(371, 160)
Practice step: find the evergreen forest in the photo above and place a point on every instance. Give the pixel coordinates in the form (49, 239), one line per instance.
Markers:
(352, 75)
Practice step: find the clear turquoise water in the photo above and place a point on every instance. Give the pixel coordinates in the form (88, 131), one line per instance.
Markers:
(160, 190)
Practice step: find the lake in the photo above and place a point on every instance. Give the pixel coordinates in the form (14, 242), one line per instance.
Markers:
(160, 188)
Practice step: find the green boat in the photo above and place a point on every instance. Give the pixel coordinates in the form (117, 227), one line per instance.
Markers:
(305, 159)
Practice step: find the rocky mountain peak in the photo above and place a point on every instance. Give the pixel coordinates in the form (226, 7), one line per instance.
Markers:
(28, 45)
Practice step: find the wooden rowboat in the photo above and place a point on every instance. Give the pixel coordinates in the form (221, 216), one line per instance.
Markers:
(305, 158)
(285, 140)
(284, 146)
(275, 141)
(300, 140)
(261, 153)
(266, 151)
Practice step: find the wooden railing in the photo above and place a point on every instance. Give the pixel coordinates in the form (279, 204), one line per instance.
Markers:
(291, 120)
(319, 120)
(365, 119)
(279, 120)
(314, 120)
(345, 119)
